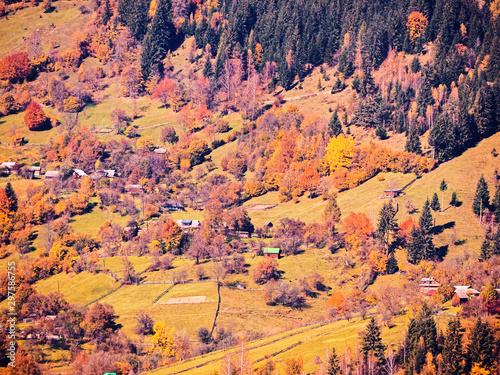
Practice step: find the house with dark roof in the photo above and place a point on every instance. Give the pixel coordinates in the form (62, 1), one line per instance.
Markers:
(32, 172)
(186, 225)
(172, 205)
(272, 252)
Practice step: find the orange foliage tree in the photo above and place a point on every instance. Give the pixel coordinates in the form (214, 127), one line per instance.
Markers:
(309, 180)
(358, 228)
(337, 304)
(416, 25)
(15, 67)
(171, 235)
(34, 117)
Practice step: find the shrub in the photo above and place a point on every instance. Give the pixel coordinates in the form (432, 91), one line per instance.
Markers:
(35, 118)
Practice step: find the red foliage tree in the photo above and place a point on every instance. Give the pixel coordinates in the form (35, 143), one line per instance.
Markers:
(34, 117)
(15, 67)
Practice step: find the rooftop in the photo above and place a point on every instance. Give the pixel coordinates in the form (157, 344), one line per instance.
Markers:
(272, 250)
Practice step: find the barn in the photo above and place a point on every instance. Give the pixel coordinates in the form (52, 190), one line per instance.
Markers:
(272, 252)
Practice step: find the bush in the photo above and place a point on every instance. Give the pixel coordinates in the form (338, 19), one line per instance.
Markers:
(35, 118)
(267, 269)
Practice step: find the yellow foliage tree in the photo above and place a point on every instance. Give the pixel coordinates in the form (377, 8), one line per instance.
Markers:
(416, 25)
(163, 339)
(495, 9)
(378, 261)
(339, 152)
(145, 142)
(478, 370)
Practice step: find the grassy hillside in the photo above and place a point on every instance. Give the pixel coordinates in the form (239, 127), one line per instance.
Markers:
(81, 288)
(307, 342)
(57, 26)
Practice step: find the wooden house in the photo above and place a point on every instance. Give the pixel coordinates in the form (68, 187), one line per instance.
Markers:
(463, 293)
(78, 174)
(428, 285)
(172, 205)
(272, 252)
(52, 175)
(160, 151)
(8, 168)
(186, 225)
(134, 189)
(32, 172)
(392, 193)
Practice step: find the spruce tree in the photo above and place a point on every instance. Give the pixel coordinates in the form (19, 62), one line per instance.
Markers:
(107, 13)
(392, 265)
(495, 244)
(496, 203)
(372, 343)
(386, 223)
(453, 356)
(413, 142)
(334, 126)
(159, 38)
(484, 112)
(11, 194)
(482, 197)
(208, 71)
(454, 199)
(425, 220)
(435, 206)
(481, 345)
(486, 247)
(422, 338)
(134, 15)
(414, 246)
(443, 187)
(333, 364)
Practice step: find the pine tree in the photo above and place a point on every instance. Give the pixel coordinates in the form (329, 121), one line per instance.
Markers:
(453, 356)
(454, 199)
(422, 338)
(496, 242)
(496, 203)
(482, 197)
(425, 220)
(443, 187)
(335, 127)
(413, 142)
(134, 15)
(481, 345)
(424, 93)
(159, 38)
(11, 194)
(208, 71)
(414, 246)
(392, 265)
(435, 206)
(487, 246)
(386, 223)
(107, 13)
(333, 364)
(372, 343)
(484, 112)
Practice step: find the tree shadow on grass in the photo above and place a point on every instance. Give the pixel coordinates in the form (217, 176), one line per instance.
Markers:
(440, 228)
(442, 251)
